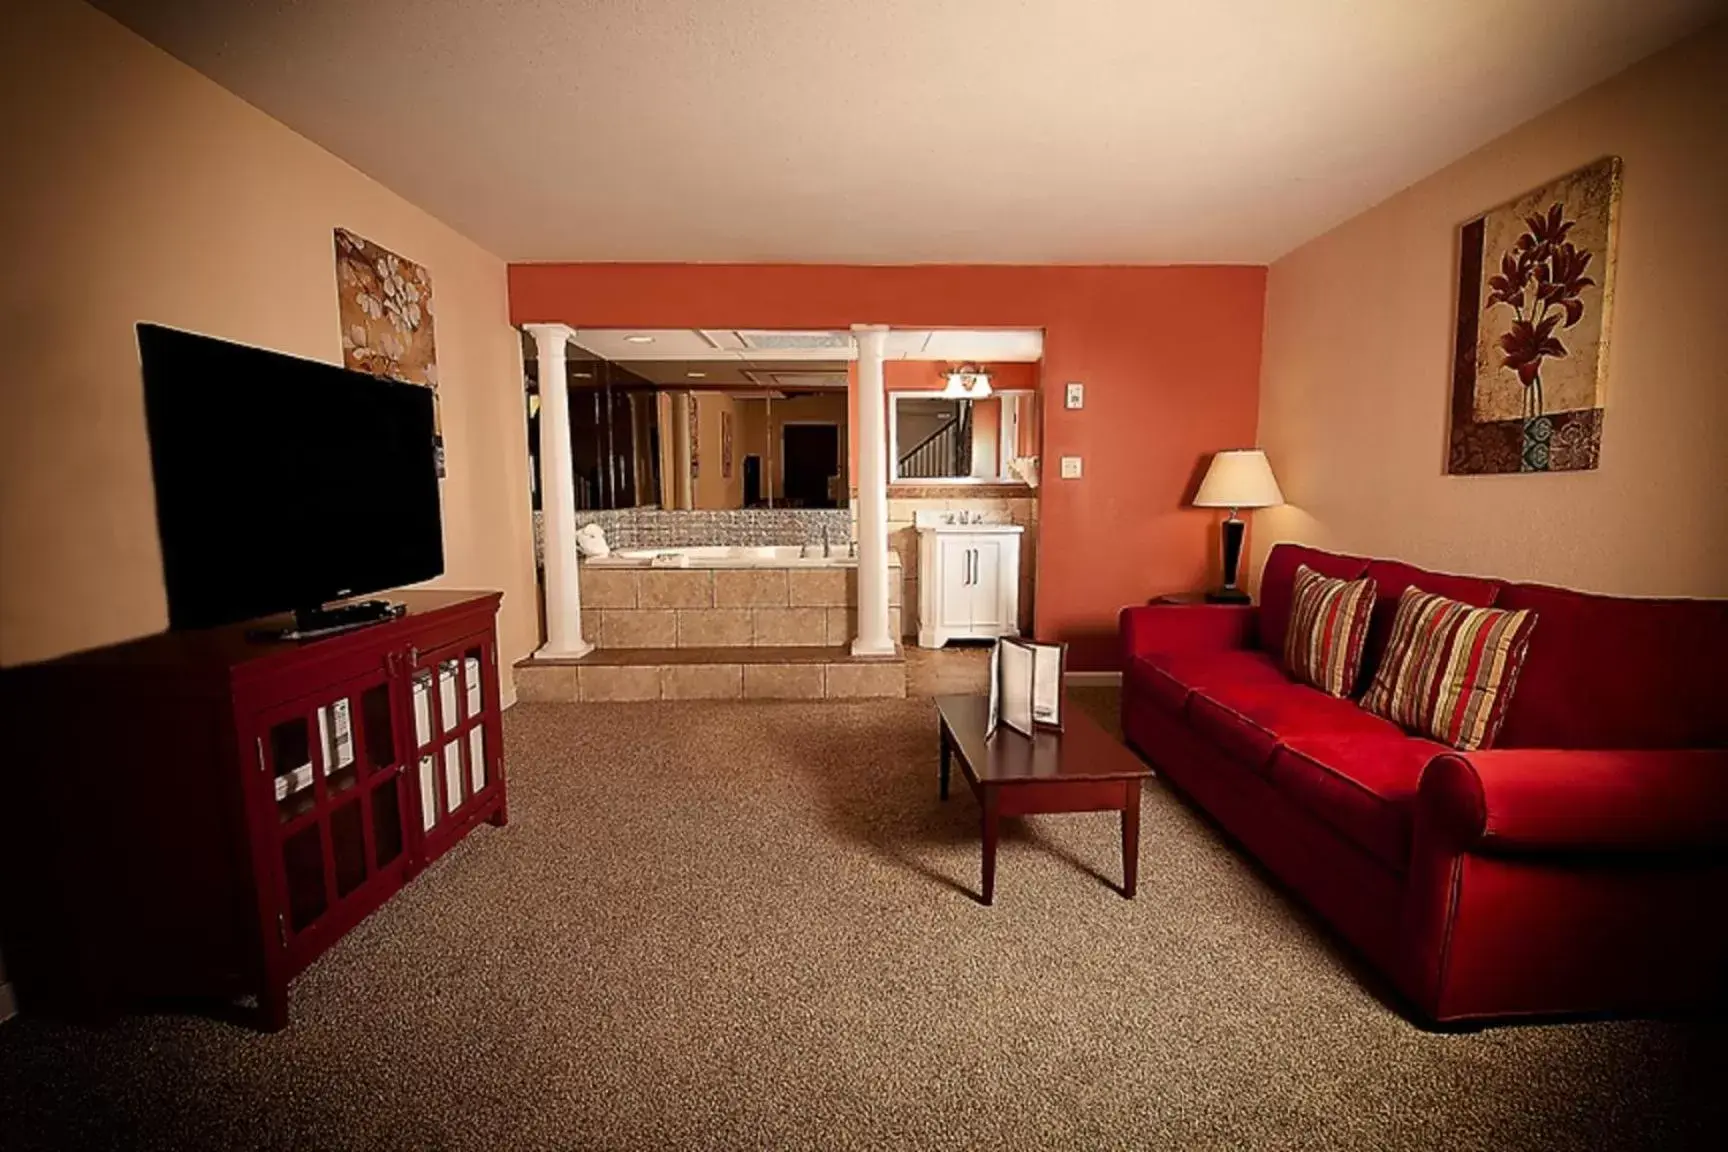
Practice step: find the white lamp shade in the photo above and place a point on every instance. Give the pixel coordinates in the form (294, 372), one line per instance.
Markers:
(967, 384)
(1240, 478)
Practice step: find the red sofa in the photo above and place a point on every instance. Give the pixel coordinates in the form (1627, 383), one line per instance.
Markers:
(1581, 866)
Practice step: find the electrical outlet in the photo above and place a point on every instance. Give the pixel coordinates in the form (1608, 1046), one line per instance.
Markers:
(1076, 395)
(1070, 467)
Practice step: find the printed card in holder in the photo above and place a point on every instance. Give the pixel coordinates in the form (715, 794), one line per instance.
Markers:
(995, 716)
(1014, 668)
(1026, 684)
(1049, 666)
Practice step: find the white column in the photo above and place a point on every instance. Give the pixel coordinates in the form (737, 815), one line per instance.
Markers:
(873, 636)
(558, 496)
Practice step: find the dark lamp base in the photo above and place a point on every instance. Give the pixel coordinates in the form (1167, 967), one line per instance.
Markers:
(1227, 596)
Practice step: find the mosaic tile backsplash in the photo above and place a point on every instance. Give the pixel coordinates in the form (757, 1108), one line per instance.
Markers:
(658, 528)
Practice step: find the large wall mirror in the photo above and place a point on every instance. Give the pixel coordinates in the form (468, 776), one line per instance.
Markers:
(704, 419)
(757, 431)
(936, 438)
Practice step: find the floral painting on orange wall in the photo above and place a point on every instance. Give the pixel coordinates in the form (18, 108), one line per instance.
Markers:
(1535, 289)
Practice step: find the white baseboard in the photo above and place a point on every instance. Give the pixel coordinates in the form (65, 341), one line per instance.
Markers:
(1094, 679)
(8, 1003)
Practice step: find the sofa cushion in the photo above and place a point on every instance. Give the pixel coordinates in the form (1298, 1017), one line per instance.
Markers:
(1614, 672)
(1168, 678)
(1249, 721)
(1278, 575)
(1327, 630)
(1363, 787)
(1450, 669)
(1392, 577)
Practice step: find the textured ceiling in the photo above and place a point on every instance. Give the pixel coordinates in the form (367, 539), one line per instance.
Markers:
(902, 131)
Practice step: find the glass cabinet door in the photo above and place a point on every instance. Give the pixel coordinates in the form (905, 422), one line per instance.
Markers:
(454, 717)
(334, 764)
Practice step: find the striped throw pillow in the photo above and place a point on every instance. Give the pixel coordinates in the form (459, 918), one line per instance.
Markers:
(1449, 669)
(1328, 630)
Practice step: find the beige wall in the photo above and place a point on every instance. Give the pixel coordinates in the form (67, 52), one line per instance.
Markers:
(1358, 349)
(753, 434)
(713, 488)
(827, 409)
(758, 432)
(136, 189)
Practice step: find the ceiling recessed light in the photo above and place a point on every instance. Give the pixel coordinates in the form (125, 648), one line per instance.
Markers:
(639, 339)
(697, 375)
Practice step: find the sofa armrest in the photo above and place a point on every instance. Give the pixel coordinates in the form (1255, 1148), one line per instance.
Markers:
(1145, 629)
(1532, 799)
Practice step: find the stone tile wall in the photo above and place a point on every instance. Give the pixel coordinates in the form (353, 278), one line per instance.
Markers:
(725, 607)
(658, 528)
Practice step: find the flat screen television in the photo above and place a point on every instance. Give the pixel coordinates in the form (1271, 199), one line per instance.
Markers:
(282, 483)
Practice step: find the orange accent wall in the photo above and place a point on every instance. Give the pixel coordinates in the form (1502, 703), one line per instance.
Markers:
(1170, 357)
(932, 375)
(986, 437)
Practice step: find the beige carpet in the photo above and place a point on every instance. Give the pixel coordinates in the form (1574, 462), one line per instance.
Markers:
(748, 926)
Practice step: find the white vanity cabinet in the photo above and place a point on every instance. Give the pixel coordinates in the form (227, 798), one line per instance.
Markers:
(968, 582)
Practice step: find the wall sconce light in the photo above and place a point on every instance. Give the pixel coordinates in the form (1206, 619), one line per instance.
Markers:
(967, 382)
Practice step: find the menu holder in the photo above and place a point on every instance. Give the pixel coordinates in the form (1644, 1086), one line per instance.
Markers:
(1026, 685)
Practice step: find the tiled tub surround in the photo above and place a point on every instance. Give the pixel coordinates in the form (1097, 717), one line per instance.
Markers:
(658, 528)
(776, 598)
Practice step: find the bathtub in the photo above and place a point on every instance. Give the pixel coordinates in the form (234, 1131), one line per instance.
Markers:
(732, 556)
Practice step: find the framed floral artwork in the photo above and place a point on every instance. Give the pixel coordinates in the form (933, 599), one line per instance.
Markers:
(384, 304)
(1535, 290)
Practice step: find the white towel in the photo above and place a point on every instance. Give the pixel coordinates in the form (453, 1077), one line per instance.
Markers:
(591, 541)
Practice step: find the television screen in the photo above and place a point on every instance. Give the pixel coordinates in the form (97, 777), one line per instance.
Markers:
(283, 483)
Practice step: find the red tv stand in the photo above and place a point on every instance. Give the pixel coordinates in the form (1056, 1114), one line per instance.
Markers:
(201, 814)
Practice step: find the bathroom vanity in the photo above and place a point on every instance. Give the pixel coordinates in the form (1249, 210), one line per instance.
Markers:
(968, 579)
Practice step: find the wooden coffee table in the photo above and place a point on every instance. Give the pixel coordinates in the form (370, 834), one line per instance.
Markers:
(1080, 769)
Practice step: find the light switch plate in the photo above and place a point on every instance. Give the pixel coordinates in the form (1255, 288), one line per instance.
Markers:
(1070, 467)
(1076, 395)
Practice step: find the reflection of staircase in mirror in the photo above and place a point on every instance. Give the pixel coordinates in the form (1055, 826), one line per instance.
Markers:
(944, 453)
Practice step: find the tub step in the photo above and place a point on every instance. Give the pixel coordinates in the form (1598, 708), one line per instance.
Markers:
(712, 674)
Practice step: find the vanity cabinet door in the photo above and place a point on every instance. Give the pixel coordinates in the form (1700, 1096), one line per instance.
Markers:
(969, 586)
(956, 608)
(986, 582)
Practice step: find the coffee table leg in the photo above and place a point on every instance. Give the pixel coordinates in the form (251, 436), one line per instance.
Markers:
(988, 803)
(947, 755)
(1131, 840)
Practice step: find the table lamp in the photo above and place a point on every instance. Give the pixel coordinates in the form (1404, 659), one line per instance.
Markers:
(1240, 478)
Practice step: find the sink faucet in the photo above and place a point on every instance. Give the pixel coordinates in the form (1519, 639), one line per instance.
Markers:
(827, 550)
